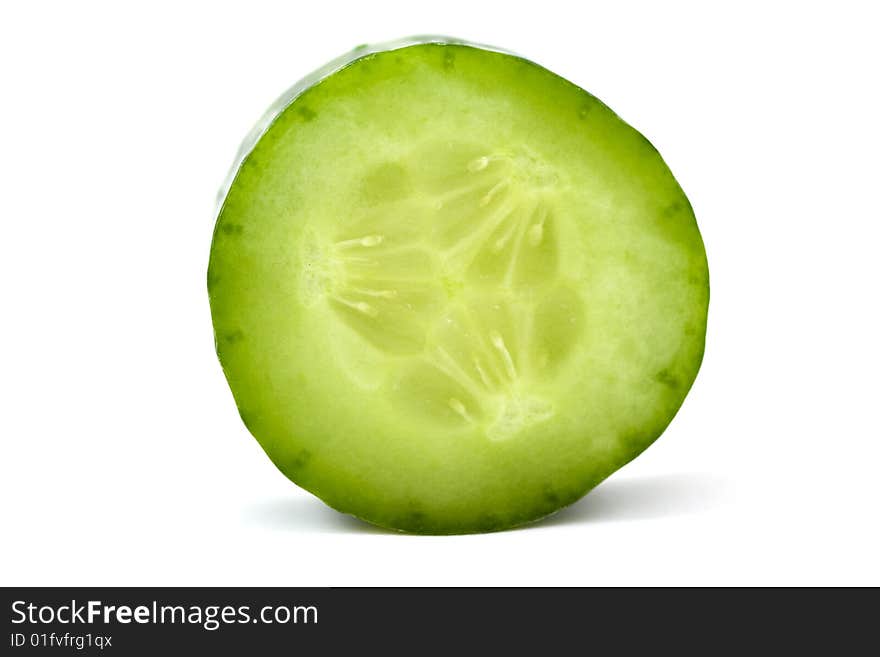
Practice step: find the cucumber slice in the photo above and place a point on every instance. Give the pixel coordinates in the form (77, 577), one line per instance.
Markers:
(451, 291)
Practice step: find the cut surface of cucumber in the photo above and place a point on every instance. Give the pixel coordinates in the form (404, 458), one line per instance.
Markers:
(451, 291)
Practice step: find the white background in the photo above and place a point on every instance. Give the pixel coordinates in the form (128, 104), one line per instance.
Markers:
(124, 461)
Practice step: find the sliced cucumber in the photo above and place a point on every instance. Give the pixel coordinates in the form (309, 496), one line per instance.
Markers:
(452, 291)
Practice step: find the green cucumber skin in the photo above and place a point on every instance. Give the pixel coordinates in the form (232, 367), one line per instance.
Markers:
(233, 261)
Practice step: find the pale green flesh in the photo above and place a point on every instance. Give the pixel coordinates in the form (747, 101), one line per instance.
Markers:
(452, 292)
